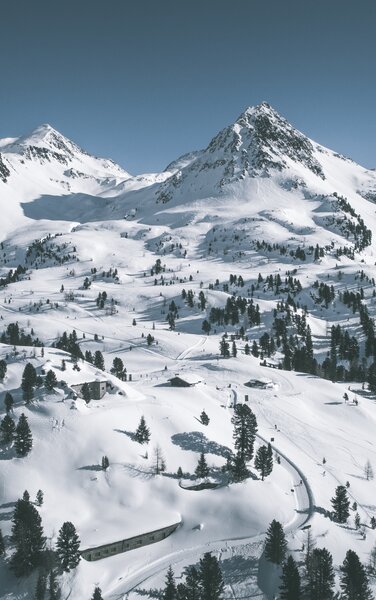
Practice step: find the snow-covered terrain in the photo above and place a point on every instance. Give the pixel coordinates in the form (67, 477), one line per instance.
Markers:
(261, 200)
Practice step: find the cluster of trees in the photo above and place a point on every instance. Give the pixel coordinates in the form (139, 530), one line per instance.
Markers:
(204, 582)
(20, 434)
(98, 361)
(12, 276)
(236, 306)
(357, 228)
(326, 293)
(15, 336)
(70, 344)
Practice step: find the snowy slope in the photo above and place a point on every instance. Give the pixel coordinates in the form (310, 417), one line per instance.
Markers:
(69, 217)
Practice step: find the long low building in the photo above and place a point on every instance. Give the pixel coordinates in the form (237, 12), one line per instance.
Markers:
(151, 537)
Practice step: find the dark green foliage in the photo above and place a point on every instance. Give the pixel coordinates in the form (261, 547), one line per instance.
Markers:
(202, 469)
(50, 381)
(320, 575)
(7, 429)
(39, 498)
(85, 391)
(191, 586)
(99, 360)
(97, 594)
(53, 587)
(290, 581)
(237, 468)
(14, 336)
(8, 401)
(142, 434)
(341, 504)
(118, 368)
(354, 581)
(224, 348)
(264, 461)
(245, 428)
(2, 544)
(29, 381)
(211, 580)
(170, 588)
(23, 441)
(3, 369)
(26, 496)
(275, 543)
(68, 546)
(105, 463)
(204, 418)
(41, 587)
(69, 344)
(27, 537)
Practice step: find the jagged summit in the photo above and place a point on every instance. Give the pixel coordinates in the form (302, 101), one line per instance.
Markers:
(259, 143)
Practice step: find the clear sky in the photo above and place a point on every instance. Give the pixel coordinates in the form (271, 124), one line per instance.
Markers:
(145, 81)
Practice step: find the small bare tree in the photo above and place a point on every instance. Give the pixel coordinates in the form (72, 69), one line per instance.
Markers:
(368, 471)
(159, 461)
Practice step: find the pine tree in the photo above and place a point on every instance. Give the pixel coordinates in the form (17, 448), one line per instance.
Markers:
(341, 504)
(26, 496)
(8, 401)
(50, 381)
(237, 468)
(354, 581)
(7, 429)
(170, 588)
(368, 471)
(27, 537)
(85, 392)
(204, 418)
(68, 546)
(97, 595)
(105, 463)
(275, 543)
(53, 587)
(117, 367)
(224, 348)
(202, 469)
(245, 428)
(234, 350)
(192, 584)
(290, 581)
(41, 587)
(320, 575)
(29, 381)
(211, 580)
(142, 434)
(2, 544)
(99, 360)
(39, 498)
(3, 369)
(264, 461)
(23, 439)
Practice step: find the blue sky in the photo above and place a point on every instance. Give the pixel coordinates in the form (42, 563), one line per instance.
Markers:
(145, 81)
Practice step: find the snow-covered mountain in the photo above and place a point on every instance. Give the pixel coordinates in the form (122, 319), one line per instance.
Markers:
(264, 240)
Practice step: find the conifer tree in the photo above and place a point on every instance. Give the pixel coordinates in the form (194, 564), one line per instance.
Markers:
(224, 348)
(320, 575)
(26, 496)
(3, 369)
(8, 401)
(39, 498)
(245, 428)
(264, 461)
(85, 392)
(2, 544)
(117, 367)
(341, 504)
(170, 588)
(97, 594)
(41, 587)
(50, 381)
(237, 467)
(354, 581)
(27, 537)
(29, 381)
(142, 435)
(290, 581)
(53, 586)
(105, 463)
(211, 580)
(23, 441)
(192, 589)
(202, 469)
(275, 543)
(68, 547)
(7, 429)
(99, 360)
(204, 418)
